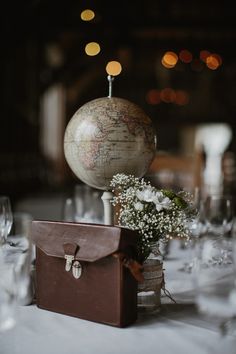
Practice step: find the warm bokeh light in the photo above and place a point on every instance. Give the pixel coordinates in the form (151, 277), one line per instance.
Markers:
(153, 97)
(169, 60)
(212, 62)
(216, 58)
(113, 68)
(168, 95)
(181, 97)
(185, 56)
(204, 54)
(166, 65)
(87, 15)
(92, 48)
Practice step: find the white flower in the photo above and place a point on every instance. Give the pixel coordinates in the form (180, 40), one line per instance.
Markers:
(156, 197)
(146, 195)
(138, 206)
(161, 202)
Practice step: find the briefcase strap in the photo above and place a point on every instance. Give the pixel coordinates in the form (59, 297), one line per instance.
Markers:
(130, 263)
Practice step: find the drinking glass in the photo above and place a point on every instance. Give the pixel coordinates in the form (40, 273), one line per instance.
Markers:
(68, 212)
(7, 294)
(15, 267)
(215, 278)
(21, 254)
(88, 205)
(218, 214)
(196, 228)
(6, 218)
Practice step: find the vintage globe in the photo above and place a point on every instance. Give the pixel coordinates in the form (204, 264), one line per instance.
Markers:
(108, 136)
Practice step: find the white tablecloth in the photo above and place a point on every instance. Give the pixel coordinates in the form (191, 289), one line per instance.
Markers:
(177, 329)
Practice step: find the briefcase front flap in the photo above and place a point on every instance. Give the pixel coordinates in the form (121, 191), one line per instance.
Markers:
(86, 242)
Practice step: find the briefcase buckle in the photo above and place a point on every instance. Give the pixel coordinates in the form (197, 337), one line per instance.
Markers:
(69, 260)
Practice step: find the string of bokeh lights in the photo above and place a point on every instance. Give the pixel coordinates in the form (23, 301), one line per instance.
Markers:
(212, 60)
(113, 67)
(169, 60)
(167, 95)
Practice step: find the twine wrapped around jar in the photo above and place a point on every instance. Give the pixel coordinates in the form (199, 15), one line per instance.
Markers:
(149, 291)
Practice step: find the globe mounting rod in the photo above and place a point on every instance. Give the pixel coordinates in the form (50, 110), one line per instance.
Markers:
(108, 208)
(110, 79)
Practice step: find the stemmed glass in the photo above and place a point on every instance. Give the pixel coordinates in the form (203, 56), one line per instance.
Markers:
(214, 278)
(6, 218)
(195, 225)
(218, 214)
(215, 216)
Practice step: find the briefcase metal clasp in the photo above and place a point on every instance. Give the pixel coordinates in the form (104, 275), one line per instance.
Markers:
(74, 264)
(69, 260)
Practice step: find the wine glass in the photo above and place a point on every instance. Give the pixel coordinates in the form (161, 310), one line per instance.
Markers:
(214, 278)
(6, 218)
(196, 227)
(218, 214)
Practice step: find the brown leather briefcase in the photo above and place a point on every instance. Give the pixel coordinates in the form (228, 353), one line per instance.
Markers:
(85, 270)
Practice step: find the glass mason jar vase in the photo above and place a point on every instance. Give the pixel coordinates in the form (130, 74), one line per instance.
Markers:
(149, 291)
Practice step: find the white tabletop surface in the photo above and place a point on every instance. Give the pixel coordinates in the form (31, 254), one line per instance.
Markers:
(177, 329)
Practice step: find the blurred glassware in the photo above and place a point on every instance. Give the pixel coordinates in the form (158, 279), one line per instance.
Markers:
(68, 213)
(215, 278)
(20, 240)
(7, 294)
(218, 214)
(21, 225)
(15, 267)
(6, 218)
(196, 227)
(88, 205)
(197, 224)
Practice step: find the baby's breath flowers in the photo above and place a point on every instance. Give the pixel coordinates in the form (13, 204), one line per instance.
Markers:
(155, 214)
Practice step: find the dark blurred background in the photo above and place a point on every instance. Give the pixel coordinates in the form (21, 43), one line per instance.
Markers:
(46, 76)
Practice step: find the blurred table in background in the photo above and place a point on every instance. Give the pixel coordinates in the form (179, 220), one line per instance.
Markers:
(42, 207)
(84, 204)
(176, 171)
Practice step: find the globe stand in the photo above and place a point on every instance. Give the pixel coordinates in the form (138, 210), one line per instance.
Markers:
(110, 79)
(108, 208)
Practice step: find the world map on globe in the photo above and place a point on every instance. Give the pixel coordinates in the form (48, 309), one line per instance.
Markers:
(106, 136)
